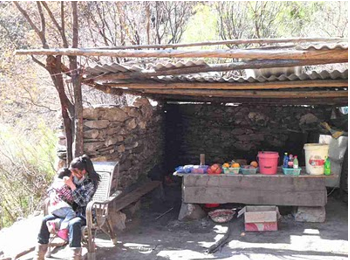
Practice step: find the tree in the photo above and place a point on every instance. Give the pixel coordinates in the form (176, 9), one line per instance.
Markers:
(135, 23)
(71, 113)
(263, 19)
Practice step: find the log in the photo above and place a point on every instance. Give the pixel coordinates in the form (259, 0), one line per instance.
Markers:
(223, 241)
(228, 85)
(226, 42)
(250, 94)
(339, 54)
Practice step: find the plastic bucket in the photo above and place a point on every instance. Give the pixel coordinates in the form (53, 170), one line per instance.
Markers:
(315, 155)
(268, 162)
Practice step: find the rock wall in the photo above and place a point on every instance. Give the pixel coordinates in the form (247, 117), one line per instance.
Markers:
(131, 135)
(224, 133)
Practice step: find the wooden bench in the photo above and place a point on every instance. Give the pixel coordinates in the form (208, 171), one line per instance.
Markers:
(126, 199)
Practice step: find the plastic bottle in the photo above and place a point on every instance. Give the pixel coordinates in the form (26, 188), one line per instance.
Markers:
(290, 161)
(295, 162)
(285, 160)
(327, 167)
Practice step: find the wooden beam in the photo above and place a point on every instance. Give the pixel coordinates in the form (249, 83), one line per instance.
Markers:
(340, 101)
(339, 54)
(249, 93)
(266, 101)
(255, 64)
(226, 42)
(243, 195)
(235, 85)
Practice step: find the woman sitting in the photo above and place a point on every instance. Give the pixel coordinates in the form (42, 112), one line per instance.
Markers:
(83, 184)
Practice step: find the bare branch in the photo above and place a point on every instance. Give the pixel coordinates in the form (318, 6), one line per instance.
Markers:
(59, 28)
(31, 99)
(63, 24)
(75, 25)
(43, 23)
(35, 28)
(38, 62)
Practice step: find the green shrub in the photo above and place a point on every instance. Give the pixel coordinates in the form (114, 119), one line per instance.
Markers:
(26, 169)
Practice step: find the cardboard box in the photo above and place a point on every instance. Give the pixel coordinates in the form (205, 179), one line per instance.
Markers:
(260, 218)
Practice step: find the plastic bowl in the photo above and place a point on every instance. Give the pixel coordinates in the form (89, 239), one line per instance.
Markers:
(291, 171)
(201, 169)
(221, 215)
(247, 171)
(230, 170)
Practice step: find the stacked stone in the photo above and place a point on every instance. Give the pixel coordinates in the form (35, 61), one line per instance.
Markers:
(223, 133)
(131, 135)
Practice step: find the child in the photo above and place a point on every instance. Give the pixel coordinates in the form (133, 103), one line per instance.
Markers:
(60, 204)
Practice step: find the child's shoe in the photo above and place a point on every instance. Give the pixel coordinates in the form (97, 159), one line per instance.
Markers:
(63, 233)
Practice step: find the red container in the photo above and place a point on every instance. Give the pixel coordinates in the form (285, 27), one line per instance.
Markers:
(268, 162)
(212, 205)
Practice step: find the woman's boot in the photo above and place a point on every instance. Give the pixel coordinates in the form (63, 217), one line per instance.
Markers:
(40, 251)
(75, 253)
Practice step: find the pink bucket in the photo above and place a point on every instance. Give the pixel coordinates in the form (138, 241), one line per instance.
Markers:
(268, 162)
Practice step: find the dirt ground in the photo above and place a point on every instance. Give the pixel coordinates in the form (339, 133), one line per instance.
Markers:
(167, 238)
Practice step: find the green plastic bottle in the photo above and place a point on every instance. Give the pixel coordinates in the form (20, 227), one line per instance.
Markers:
(327, 167)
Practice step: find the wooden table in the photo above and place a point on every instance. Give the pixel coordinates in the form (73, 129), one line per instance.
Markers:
(278, 189)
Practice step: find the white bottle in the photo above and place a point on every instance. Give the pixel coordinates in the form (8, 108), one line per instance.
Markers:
(295, 162)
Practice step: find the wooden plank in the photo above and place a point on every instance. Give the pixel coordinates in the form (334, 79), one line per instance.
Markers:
(234, 86)
(338, 54)
(282, 183)
(252, 196)
(135, 195)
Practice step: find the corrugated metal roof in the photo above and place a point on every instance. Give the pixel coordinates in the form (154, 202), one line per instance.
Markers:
(117, 68)
(328, 46)
(177, 65)
(110, 69)
(324, 75)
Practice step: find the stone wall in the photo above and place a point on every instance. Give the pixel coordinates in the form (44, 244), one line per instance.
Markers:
(224, 133)
(131, 135)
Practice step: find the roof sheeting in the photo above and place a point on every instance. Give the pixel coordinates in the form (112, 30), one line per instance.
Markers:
(335, 46)
(197, 79)
(324, 75)
(177, 65)
(109, 69)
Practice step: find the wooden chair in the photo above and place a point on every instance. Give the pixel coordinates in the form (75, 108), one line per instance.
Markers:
(96, 210)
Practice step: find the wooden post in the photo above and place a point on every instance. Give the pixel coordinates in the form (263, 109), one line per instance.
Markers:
(202, 159)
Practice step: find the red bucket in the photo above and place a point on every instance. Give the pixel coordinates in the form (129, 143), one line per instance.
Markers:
(268, 162)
